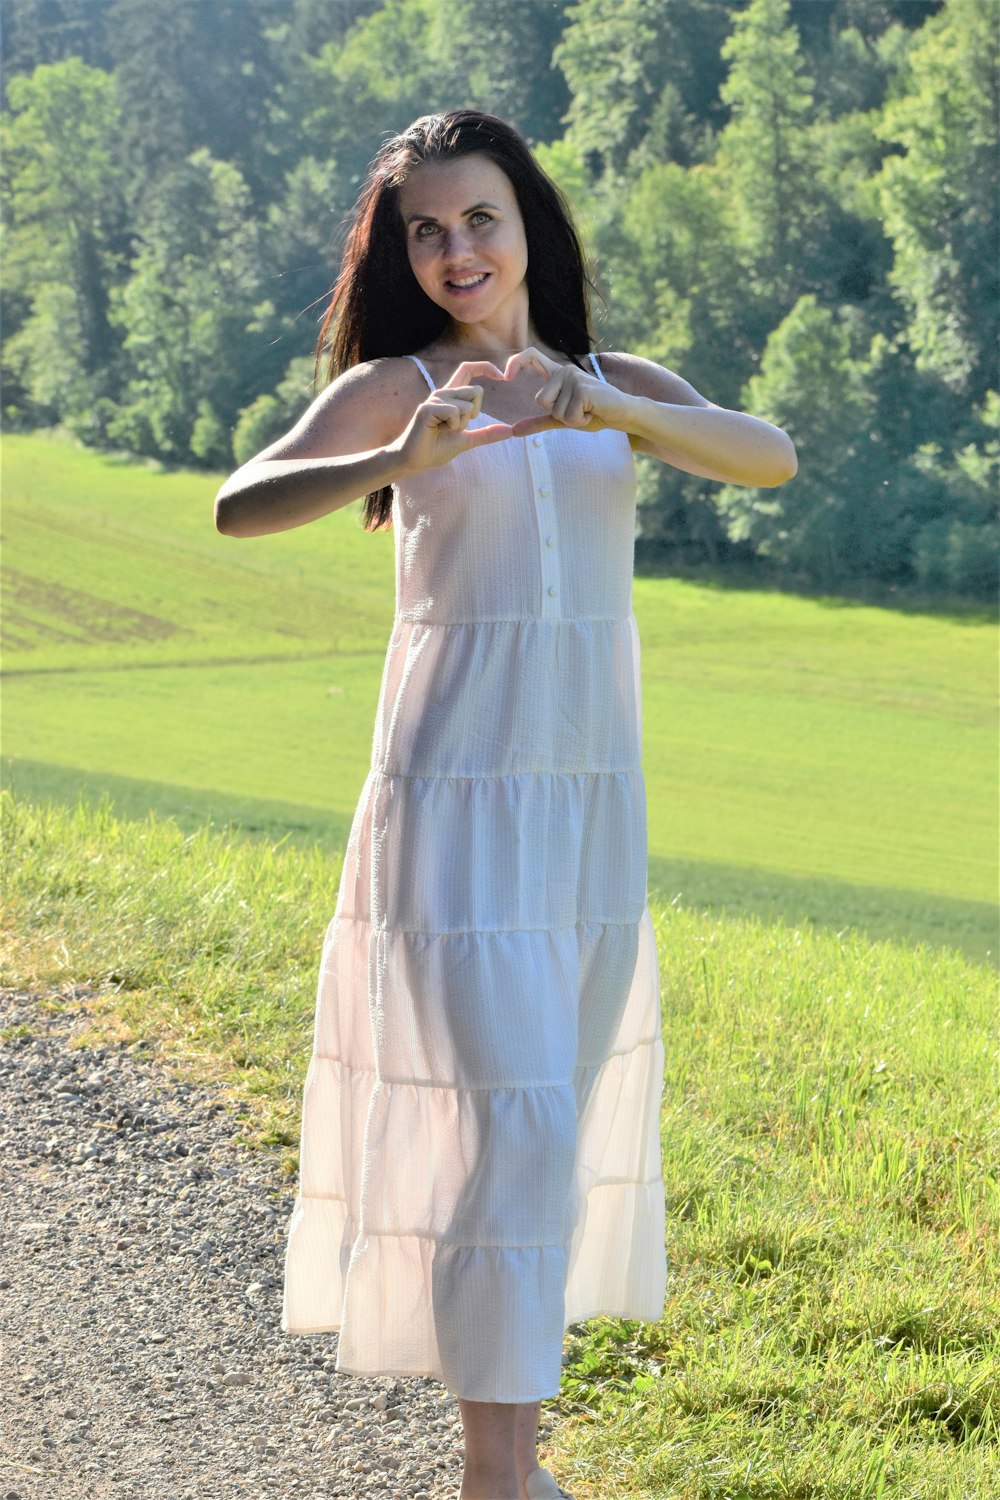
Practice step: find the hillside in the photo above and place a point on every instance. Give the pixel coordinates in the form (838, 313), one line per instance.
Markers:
(805, 757)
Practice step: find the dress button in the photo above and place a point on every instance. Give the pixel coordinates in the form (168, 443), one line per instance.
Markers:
(536, 442)
(544, 489)
(552, 591)
(549, 542)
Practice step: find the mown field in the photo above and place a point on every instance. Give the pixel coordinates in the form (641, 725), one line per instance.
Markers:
(807, 759)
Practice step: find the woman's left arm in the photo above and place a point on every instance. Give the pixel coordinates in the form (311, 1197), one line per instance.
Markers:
(663, 415)
(668, 418)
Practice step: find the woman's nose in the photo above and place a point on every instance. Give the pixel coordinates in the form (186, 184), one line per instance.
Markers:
(457, 243)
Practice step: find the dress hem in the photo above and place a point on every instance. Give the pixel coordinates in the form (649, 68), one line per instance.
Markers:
(574, 1322)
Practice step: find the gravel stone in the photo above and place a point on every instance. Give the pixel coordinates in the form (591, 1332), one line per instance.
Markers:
(141, 1260)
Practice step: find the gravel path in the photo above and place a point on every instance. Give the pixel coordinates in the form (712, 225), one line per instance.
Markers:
(141, 1254)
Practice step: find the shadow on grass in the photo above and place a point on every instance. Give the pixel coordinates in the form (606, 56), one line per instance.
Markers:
(190, 808)
(883, 913)
(857, 593)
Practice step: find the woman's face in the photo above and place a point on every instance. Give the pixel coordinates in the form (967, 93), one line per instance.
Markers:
(465, 237)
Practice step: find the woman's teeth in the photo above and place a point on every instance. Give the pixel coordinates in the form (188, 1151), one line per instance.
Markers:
(467, 282)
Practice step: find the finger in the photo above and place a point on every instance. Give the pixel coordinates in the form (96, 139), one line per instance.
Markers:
(576, 414)
(529, 359)
(456, 393)
(468, 369)
(495, 433)
(468, 398)
(568, 394)
(439, 409)
(530, 425)
(445, 414)
(549, 393)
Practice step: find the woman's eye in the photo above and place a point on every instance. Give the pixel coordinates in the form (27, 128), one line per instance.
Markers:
(483, 216)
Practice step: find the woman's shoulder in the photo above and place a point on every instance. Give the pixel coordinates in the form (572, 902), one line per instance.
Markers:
(365, 405)
(391, 386)
(387, 378)
(637, 376)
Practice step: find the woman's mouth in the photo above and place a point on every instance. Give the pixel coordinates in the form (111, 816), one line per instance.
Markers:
(462, 286)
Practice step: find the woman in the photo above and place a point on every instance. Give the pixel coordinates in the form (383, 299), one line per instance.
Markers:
(480, 1138)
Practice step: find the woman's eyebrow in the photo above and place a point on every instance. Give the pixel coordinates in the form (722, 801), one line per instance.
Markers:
(411, 218)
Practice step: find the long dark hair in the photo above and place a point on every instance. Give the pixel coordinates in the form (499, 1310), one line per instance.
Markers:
(377, 307)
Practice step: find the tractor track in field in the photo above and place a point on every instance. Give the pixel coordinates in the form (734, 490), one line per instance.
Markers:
(208, 661)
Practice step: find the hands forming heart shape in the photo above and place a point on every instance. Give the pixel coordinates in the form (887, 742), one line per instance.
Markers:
(569, 397)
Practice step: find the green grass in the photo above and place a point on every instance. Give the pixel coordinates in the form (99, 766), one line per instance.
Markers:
(820, 775)
(806, 759)
(830, 1149)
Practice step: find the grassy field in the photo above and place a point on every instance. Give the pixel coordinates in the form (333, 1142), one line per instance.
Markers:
(806, 759)
(822, 828)
(830, 1147)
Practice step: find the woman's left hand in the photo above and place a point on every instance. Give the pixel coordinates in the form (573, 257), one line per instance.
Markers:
(662, 415)
(570, 396)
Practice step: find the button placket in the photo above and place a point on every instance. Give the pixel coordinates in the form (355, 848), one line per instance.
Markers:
(545, 519)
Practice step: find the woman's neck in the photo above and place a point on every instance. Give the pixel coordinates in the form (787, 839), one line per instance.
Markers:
(487, 340)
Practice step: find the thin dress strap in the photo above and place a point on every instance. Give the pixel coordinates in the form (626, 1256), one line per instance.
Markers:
(600, 373)
(423, 370)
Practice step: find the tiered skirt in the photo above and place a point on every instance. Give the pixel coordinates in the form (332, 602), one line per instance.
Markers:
(480, 1153)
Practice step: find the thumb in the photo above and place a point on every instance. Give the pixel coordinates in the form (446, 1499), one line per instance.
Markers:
(495, 433)
(529, 425)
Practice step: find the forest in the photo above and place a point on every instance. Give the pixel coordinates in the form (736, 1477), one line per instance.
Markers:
(793, 203)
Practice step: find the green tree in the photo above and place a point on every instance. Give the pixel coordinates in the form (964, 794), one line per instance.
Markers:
(827, 522)
(48, 31)
(192, 73)
(823, 23)
(306, 26)
(265, 419)
(298, 251)
(304, 104)
(956, 546)
(414, 57)
(643, 73)
(674, 296)
(193, 316)
(364, 86)
(769, 153)
(65, 224)
(937, 195)
(514, 75)
(791, 202)
(674, 299)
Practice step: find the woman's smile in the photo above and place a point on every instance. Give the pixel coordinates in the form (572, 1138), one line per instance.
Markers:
(462, 286)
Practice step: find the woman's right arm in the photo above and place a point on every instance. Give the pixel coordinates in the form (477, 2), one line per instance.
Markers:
(345, 445)
(368, 429)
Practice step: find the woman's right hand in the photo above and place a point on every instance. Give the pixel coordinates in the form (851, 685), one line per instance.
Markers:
(438, 431)
(343, 447)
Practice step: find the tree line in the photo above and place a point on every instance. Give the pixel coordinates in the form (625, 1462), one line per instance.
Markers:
(790, 202)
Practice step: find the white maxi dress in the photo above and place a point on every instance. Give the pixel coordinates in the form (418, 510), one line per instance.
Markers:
(480, 1154)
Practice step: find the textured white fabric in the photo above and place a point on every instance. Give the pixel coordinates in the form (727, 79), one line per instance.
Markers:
(480, 1151)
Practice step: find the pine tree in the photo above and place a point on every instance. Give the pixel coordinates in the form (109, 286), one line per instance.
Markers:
(65, 248)
(768, 150)
(937, 193)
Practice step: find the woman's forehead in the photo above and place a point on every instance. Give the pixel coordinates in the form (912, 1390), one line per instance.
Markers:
(437, 185)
